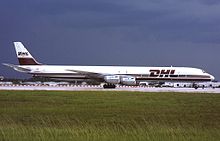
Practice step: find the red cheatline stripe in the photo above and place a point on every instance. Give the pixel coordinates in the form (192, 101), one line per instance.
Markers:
(27, 61)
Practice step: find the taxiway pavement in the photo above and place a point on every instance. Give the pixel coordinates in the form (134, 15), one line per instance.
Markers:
(99, 88)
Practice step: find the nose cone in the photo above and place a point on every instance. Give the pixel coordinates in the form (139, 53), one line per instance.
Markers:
(212, 77)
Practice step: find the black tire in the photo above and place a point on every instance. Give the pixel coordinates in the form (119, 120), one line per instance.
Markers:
(109, 86)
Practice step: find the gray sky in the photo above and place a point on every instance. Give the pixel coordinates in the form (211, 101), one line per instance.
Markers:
(117, 32)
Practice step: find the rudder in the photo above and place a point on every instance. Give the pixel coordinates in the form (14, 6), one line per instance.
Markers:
(24, 57)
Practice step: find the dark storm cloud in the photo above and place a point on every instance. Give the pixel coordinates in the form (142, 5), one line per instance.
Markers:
(210, 2)
(122, 32)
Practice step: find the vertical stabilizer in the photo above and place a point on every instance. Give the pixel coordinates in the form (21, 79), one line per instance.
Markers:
(24, 57)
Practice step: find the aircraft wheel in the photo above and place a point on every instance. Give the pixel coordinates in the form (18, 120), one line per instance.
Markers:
(109, 86)
(195, 86)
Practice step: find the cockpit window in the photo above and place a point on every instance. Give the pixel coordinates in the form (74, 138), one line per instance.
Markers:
(203, 71)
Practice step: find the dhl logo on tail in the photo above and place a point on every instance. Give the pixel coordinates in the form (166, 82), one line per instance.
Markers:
(23, 54)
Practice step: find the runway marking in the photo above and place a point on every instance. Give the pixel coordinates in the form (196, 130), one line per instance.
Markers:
(99, 88)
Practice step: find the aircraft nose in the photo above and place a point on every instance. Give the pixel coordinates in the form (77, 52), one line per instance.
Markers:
(212, 77)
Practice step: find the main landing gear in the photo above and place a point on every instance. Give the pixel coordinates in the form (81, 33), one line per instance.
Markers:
(195, 86)
(109, 86)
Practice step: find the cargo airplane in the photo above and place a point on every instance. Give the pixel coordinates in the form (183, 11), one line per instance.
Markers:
(109, 75)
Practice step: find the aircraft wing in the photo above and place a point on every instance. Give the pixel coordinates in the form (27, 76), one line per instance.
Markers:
(17, 68)
(89, 74)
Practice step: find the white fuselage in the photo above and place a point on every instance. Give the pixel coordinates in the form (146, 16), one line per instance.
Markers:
(140, 73)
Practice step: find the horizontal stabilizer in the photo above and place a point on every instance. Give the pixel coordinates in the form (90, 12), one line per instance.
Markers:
(17, 68)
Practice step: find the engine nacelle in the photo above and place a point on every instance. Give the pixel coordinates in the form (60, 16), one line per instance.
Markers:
(112, 79)
(128, 80)
(119, 79)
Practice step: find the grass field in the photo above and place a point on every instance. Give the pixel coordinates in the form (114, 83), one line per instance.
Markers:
(108, 116)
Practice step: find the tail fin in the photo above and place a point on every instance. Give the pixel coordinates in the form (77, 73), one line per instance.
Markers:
(24, 57)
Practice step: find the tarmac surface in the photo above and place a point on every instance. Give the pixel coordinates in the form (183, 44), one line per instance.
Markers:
(99, 88)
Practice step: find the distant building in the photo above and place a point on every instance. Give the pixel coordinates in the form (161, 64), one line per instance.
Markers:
(182, 85)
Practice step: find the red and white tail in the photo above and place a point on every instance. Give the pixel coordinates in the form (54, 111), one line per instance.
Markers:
(24, 57)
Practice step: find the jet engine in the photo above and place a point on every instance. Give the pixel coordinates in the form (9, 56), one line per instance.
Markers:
(112, 79)
(128, 80)
(119, 79)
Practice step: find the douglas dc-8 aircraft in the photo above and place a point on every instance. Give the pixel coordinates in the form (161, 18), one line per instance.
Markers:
(110, 75)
